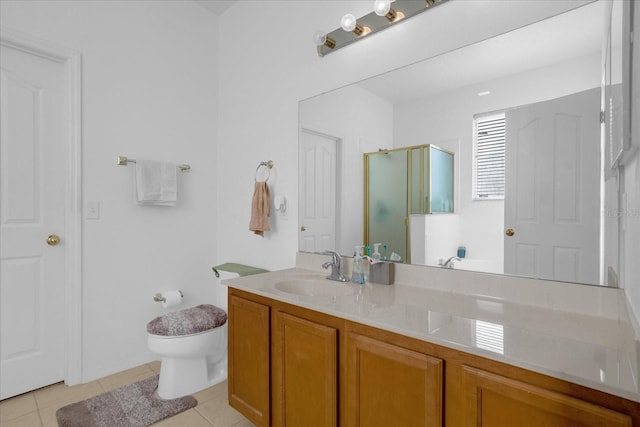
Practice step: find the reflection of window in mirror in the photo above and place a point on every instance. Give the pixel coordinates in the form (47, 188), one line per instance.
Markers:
(488, 157)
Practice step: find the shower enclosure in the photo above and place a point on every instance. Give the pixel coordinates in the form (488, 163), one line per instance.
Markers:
(400, 182)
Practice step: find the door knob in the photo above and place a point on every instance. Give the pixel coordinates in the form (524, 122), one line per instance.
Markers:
(53, 240)
(303, 228)
(509, 232)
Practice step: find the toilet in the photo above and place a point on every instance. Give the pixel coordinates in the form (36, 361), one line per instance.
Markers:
(192, 344)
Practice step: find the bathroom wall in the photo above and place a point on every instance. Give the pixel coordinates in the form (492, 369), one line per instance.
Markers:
(155, 74)
(364, 122)
(149, 90)
(630, 211)
(262, 81)
(263, 78)
(434, 238)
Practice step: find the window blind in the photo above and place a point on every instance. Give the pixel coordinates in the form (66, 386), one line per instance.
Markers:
(489, 157)
(490, 336)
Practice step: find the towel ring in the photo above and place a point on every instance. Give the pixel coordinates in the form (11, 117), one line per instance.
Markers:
(268, 165)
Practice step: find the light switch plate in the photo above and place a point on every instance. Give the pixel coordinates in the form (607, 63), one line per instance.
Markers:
(92, 210)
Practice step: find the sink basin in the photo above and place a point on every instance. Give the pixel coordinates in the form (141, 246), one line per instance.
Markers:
(313, 286)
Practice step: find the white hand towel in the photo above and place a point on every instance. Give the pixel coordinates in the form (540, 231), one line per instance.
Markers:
(156, 183)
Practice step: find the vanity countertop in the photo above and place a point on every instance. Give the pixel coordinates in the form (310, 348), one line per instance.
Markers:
(596, 351)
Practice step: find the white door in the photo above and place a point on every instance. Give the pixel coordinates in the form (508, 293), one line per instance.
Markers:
(552, 197)
(32, 192)
(317, 213)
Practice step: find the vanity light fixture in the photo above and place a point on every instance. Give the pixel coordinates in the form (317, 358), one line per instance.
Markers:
(350, 23)
(383, 8)
(383, 16)
(321, 39)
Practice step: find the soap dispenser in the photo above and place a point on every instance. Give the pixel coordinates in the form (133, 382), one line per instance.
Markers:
(357, 276)
(376, 251)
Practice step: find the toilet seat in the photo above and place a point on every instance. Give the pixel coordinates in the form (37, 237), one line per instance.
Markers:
(177, 337)
(189, 321)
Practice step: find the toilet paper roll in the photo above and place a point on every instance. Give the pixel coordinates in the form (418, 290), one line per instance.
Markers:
(171, 298)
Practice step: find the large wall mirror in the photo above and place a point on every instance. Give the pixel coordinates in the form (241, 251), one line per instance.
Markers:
(544, 85)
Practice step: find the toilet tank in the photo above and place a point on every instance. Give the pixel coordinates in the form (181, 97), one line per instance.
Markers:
(221, 290)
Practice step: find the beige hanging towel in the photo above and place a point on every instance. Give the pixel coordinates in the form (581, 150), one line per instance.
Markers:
(260, 206)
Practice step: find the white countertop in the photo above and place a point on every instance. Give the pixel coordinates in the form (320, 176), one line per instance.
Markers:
(597, 351)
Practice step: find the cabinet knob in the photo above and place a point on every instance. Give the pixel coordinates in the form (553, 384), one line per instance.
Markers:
(509, 232)
(303, 228)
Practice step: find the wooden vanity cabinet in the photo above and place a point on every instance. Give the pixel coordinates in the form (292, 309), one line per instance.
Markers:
(290, 366)
(284, 362)
(493, 401)
(397, 380)
(305, 371)
(249, 359)
(388, 385)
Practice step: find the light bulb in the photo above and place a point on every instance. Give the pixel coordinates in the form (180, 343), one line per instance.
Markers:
(319, 37)
(381, 7)
(348, 22)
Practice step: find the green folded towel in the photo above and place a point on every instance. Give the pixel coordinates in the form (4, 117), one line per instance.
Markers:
(242, 270)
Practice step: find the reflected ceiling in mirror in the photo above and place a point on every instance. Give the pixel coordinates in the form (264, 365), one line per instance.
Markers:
(534, 68)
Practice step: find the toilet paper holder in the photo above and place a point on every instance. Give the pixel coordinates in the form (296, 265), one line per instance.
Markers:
(159, 298)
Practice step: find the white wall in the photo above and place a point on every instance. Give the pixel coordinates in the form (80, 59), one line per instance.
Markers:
(364, 122)
(267, 70)
(265, 76)
(630, 212)
(149, 90)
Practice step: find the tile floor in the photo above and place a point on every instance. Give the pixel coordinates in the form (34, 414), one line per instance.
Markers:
(38, 408)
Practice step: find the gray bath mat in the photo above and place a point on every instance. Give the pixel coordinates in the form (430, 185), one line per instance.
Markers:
(134, 405)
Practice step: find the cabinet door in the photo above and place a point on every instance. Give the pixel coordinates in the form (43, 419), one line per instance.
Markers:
(305, 372)
(493, 401)
(249, 359)
(389, 385)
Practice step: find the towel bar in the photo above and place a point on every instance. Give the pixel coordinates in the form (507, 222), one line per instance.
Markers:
(124, 161)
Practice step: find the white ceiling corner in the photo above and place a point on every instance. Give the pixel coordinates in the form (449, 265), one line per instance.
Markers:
(216, 6)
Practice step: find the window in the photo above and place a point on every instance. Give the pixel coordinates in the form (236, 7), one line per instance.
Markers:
(488, 159)
(490, 336)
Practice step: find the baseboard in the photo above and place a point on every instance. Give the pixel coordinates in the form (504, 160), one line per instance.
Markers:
(123, 365)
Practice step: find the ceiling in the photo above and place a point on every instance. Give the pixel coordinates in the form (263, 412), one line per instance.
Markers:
(570, 35)
(216, 6)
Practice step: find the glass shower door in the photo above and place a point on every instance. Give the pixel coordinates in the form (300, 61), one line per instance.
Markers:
(386, 190)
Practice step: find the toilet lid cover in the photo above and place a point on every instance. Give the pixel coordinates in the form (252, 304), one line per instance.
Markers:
(188, 321)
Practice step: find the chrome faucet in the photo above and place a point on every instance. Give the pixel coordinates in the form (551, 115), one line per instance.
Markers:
(335, 264)
(449, 263)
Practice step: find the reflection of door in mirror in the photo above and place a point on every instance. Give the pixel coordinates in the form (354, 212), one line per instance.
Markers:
(317, 180)
(553, 186)
(614, 68)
